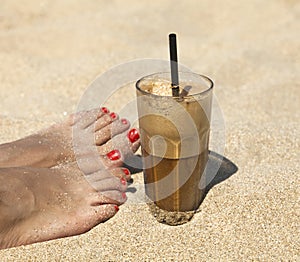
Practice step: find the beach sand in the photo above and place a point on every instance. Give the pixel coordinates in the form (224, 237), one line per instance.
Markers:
(50, 51)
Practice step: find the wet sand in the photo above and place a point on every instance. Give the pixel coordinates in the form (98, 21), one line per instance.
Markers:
(51, 50)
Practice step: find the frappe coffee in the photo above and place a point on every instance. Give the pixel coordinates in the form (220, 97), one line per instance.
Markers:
(174, 138)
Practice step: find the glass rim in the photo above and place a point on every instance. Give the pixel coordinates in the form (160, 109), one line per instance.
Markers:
(209, 88)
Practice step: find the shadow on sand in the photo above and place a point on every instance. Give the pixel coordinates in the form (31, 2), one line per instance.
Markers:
(219, 168)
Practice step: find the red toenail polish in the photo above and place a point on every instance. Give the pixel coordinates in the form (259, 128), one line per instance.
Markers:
(123, 181)
(113, 115)
(133, 135)
(124, 121)
(104, 110)
(116, 208)
(124, 195)
(126, 171)
(114, 155)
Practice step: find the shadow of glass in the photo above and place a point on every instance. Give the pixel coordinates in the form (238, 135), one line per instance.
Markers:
(218, 169)
(225, 169)
(134, 164)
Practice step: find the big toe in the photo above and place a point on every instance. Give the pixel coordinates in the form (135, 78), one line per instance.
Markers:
(122, 146)
(105, 212)
(97, 214)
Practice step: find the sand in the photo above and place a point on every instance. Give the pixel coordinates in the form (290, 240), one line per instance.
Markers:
(51, 50)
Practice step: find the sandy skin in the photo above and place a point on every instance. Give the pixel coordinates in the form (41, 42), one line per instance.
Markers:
(53, 185)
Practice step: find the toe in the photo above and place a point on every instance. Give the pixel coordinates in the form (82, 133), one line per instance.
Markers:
(104, 120)
(87, 118)
(115, 196)
(73, 118)
(107, 130)
(90, 216)
(111, 183)
(110, 196)
(121, 173)
(126, 144)
(112, 159)
(101, 213)
(98, 175)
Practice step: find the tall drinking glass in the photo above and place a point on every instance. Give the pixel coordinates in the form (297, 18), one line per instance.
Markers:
(174, 138)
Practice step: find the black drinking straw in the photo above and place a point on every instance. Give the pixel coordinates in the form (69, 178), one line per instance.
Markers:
(174, 64)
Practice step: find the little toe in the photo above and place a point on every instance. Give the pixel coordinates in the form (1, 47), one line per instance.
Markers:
(106, 132)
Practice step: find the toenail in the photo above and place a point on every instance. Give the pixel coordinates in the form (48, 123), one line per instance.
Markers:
(104, 110)
(133, 135)
(116, 208)
(113, 115)
(124, 121)
(124, 195)
(126, 171)
(114, 154)
(123, 181)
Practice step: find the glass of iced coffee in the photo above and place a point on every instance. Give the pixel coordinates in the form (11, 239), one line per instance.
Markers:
(174, 138)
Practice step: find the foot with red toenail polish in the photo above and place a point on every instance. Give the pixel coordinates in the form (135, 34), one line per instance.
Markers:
(94, 137)
(50, 198)
(55, 145)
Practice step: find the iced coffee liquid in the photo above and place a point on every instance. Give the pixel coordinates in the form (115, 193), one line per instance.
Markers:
(174, 140)
(183, 179)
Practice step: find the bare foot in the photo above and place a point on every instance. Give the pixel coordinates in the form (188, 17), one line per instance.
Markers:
(39, 204)
(82, 137)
